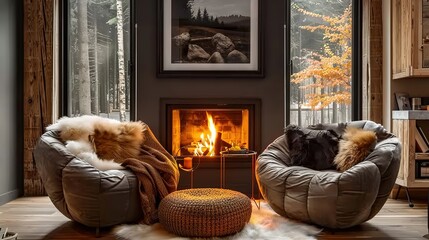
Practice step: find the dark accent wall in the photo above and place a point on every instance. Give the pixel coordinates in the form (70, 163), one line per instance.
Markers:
(10, 97)
(269, 89)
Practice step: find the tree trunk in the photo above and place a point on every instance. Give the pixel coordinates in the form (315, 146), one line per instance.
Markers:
(110, 84)
(96, 86)
(335, 108)
(313, 111)
(299, 108)
(343, 109)
(84, 84)
(121, 62)
(322, 112)
(115, 80)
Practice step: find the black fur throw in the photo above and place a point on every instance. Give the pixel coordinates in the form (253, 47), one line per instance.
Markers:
(315, 149)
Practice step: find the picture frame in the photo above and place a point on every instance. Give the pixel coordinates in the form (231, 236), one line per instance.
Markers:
(211, 38)
(403, 101)
(422, 169)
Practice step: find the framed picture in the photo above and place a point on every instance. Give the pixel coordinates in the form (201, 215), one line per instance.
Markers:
(403, 101)
(422, 169)
(210, 38)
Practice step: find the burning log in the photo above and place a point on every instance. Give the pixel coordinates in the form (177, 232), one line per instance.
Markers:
(218, 143)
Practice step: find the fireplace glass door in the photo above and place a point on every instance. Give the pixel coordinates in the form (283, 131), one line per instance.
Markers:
(206, 132)
(205, 127)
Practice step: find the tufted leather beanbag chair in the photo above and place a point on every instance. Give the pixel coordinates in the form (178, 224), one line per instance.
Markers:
(82, 192)
(330, 198)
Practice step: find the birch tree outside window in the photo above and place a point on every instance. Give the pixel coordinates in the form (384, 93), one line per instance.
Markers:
(97, 56)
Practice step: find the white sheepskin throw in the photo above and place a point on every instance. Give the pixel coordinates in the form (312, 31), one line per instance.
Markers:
(84, 151)
(102, 142)
(264, 224)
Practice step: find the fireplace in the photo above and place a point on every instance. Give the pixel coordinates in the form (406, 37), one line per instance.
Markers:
(202, 128)
(206, 132)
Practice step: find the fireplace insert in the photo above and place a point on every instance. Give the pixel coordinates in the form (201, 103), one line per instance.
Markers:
(204, 127)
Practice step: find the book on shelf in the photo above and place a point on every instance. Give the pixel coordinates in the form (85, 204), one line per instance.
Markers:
(421, 143)
(423, 134)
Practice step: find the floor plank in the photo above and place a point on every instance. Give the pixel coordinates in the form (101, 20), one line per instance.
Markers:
(37, 218)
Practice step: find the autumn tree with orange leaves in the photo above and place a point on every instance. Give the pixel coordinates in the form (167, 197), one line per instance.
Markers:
(328, 72)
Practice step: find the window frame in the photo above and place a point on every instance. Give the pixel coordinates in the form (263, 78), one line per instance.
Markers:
(356, 91)
(63, 59)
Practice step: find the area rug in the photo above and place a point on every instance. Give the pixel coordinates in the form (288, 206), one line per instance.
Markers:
(264, 224)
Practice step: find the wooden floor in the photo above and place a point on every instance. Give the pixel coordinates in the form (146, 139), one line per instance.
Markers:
(37, 218)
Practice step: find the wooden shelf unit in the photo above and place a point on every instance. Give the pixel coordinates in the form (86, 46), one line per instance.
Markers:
(407, 39)
(404, 127)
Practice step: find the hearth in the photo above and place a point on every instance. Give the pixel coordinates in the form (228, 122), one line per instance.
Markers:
(201, 128)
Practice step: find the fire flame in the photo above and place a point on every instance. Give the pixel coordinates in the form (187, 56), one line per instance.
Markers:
(207, 141)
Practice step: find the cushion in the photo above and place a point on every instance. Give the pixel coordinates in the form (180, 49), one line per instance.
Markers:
(205, 212)
(354, 147)
(315, 149)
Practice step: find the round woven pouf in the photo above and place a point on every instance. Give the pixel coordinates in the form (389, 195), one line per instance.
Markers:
(204, 212)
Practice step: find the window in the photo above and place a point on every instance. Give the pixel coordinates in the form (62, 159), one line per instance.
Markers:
(97, 56)
(321, 49)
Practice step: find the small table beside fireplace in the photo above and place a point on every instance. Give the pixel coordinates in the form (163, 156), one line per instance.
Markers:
(235, 171)
(245, 154)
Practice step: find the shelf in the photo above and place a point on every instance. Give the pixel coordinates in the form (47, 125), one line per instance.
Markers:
(417, 183)
(422, 180)
(421, 156)
(410, 114)
(412, 73)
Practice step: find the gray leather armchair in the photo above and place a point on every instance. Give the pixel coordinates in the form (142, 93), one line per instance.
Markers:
(329, 198)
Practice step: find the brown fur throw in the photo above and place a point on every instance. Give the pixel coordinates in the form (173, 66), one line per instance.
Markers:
(118, 142)
(354, 147)
(96, 139)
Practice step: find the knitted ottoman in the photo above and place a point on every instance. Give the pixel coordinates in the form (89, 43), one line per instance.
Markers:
(204, 212)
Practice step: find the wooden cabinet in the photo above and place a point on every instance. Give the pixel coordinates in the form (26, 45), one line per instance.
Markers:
(404, 127)
(410, 38)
